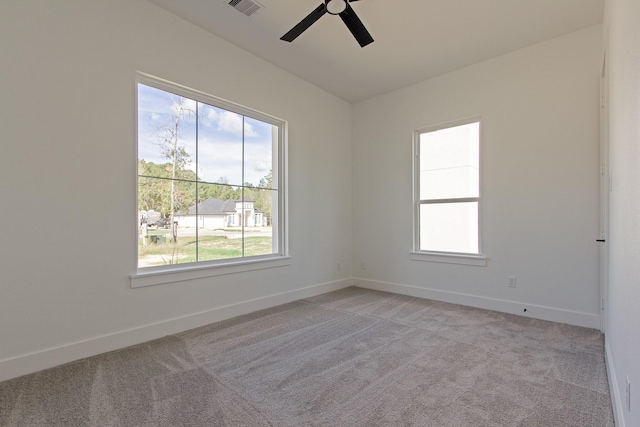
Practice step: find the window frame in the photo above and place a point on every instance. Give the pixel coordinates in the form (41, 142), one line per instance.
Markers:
(418, 254)
(147, 276)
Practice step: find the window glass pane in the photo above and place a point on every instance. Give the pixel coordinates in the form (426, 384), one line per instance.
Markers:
(259, 152)
(449, 163)
(159, 241)
(449, 227)
(219, 228)
(219, 145)
(258, 228)
(166, 129)
(153, 106)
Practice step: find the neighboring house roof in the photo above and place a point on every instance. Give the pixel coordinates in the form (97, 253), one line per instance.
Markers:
(212, 206)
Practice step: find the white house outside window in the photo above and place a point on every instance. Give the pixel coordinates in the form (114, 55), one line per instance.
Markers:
(210, 180)
(447, 189)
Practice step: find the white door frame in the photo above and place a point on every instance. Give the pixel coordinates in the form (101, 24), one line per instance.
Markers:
(605, 188)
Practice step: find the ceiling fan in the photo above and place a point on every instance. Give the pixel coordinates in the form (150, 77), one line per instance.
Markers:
(333, 7)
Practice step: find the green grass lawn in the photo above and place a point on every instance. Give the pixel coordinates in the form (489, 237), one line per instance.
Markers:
(209, 248)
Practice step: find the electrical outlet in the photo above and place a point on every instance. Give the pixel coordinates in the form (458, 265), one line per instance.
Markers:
(363, 265)
(628, 395)
(512, 282)
(338, 266)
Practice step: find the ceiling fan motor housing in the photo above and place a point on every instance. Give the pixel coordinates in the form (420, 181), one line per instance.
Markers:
(335, 7)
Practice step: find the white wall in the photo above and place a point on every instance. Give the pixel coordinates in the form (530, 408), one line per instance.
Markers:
(539, 180)
(68, 185)
(623, 320)
(67, 181)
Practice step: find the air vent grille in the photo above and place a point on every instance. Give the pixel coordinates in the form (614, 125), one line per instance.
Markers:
(248, 7)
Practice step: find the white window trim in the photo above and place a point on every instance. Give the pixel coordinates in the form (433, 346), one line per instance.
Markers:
(444, 257)
(194, 271)
(149, 276)
(449, 258)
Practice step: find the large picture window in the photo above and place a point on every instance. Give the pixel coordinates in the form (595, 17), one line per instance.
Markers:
(209, 179)
(447, 186)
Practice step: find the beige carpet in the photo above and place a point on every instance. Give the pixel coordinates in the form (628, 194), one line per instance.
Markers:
(353, 357)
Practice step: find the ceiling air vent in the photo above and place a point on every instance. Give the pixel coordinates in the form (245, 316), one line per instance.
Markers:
(248, 7)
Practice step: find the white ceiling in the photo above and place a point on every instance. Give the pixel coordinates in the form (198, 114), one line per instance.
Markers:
(414, 39)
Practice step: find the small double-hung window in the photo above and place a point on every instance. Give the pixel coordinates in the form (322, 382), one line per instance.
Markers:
(447, 189)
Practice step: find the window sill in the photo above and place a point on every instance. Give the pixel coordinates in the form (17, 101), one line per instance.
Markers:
(181, 274)
(475, 260)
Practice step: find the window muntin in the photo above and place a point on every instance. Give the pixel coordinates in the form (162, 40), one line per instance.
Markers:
(210, 177)
(448, 188)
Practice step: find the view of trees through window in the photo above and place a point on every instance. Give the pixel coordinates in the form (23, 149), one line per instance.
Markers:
(207, 181)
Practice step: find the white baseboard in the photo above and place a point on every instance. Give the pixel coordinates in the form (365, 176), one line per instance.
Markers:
(586, 320)
(616, 400)
(48, 358)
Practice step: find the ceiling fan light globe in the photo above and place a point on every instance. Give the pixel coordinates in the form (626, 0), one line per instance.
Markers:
(336, 7)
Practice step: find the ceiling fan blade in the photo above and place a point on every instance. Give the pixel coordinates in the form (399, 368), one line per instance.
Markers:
(355, 25)
(305, 23)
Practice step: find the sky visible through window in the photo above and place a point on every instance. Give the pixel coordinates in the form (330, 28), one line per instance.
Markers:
(219, 136)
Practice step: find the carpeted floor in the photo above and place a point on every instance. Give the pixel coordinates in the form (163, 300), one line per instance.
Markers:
(353, 357)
